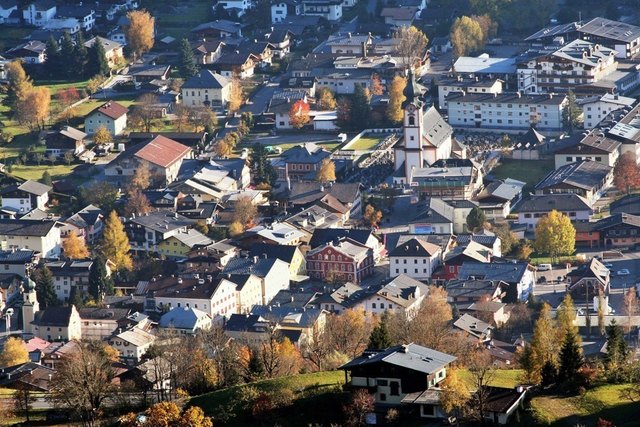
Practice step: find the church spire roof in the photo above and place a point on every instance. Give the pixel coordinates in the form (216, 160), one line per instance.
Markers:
(411, 91)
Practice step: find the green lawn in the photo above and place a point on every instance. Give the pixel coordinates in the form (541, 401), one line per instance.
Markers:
(178, 23)
(365, 143)
(529, 171)
(600, 402)
(12, 36)
(508, 378)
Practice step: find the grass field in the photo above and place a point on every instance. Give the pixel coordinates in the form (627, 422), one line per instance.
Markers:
(601, 402)
(508, 378)
(177, 21)
(365, 143)
(529, 171)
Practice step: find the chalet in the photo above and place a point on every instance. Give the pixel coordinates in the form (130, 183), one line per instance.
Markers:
(474, 327)
(87, 223)
(99, 323)
(530, 210)
(589, 280)
(18, 262)
(287, 253)
(399, 374)
(237, 7)
(143, 73)
(191, 139)
(282, 9)
(458, 256)
(260, 49)
(623, 37)
(300, 325)
(58, 324)
(65, 140)
(483, 237)
(206, 89)
(241, 64)
(518, 275)
(23, 198)
(629, 204)
(280, 40)
(112, 49)
(399, 16)
(40, 236)
(474, 290)
(218, 29)
(207, 52)
(586, 234)
(597, 108)
(499, 197)
(618, 230)
(302, 162)
(276, 234)
(31, 52)
(146, 232)
(366, 237)
(350, 44)
(29, 376)
(186, 321)
(344, 82)
(85, 15)
(70, 277)
(344, 259)
(303, 195)
(436, 217)
(132, 344)
(111, 115)
(595, 146)
(459, 179)
(331, 10)
(401, 294)
(585, 178)
(415, 258)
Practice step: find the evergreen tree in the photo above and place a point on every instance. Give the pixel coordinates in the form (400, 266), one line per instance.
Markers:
(45, 291)
(571, 112)
(54, 60)
(549, 373)
(46, 178)
(75, 298)
(617, 348)
(264, 171)
(67, 51)
(476, 219)
(360, 108)
(570, 357)
(97, 63)
(99, 284)
(255, 367)
(80, 56)
(188, 67)
(380, 338)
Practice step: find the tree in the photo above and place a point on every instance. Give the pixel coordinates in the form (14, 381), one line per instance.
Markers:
(222, 149)
(235, 95)
(54, 60)
(67, 52)
(488, 27)
(38, 158)
(46, 178)
(299, 114)
(205, 119)
(466, 36)
(326, 101)
(66, 98)
(264, 171)
(482, 372)
(83, 380)
(348, 333)
(396, 98)
(362, 403)
(372, 216)
(626, 173)
(74, 247)
(326, 171)
(555, 235)
(19, 82)
(630, 307)
(137, 203)
(45, 291)
(376, 85)
(343, 112)
(360, 108)
(188, 67)
(571, 112)
(570, 358)
(617, 350)
(235, 229)
(245, 211)
(566, 317)
(115, 243)
(140, 32)
(97, 63)
(145, 114)
(141, 178)
(101, 194)
(23, 400)
(508, 239)
(14, 352)
(544, 343)
(80, 56)
(52, 158)
(410, 44)
(183, 114)
(455, 394)
(32, 107)
(380, 338)
(102, 136)
(476, 219)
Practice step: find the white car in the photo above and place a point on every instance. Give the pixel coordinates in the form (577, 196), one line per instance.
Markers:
(623, 272)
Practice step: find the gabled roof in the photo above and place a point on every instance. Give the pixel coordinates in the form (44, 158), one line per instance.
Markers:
(473, 326)
(627, 204)
(54, 316)
(508, 272)
(585, 174)
(260, 267)
(322, 236)
(20, 227)
(282, 252)
(32, 187)
(183, 318)
(403, 290)
(435, 211)
(411, 356)
(163, 151)
(415, 247)
(504, 190)
(549, 202)
(206, 79)
(594, 268)
(108, 44)
(346, 246)
(136, 337)
(111, 109)
(306, 153)
(302, 193)
(435, 128)
(613, 30)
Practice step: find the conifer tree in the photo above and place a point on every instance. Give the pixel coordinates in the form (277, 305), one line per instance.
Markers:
(54, 60)
(67, 52)
(380, 338)
(570, 357)
(115, 243)
(80, 56)
(360, 108)
(45, 291)
(97, 63)
(617, 348)
(188, 67)
(99, 284)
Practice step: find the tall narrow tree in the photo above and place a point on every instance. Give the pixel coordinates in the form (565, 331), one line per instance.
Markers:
(188, 67)
(45, 291)
(99, 283)
(80, 57)
(115, 243)
(54, 60)
(570, 358)
(97, 63)
(140, 32)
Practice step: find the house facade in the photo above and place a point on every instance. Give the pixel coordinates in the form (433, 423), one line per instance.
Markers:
(343, 260)
(40, 236)
(111, 115)
(25, 197)
(206, 89)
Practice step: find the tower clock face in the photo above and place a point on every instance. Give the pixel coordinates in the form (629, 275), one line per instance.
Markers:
(411, 108)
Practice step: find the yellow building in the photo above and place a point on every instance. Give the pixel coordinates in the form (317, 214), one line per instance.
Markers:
(181, 244)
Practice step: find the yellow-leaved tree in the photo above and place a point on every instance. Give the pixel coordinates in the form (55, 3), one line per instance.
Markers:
(396, 98)
(455, 393)
(102, 136)
(140, 31)
(555, 235)
(115, 243)
(75, 247)
(326, 171)
(14, 353)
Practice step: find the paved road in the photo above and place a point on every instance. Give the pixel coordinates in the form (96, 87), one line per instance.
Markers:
(260, 99)
(294, 138)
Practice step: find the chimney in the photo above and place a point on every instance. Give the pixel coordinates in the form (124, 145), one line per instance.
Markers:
(364, 50)
(349, 35)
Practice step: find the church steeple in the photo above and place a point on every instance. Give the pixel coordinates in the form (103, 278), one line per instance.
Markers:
(411, 91)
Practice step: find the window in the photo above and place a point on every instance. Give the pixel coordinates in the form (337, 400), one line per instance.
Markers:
(382, 383)
(395, 388)
(373, 305)
(383, 397)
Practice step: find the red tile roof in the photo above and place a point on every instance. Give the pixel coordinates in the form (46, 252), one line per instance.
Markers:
(163, 151)
(113, 110)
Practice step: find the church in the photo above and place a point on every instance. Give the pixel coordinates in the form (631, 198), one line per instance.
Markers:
(427, 136)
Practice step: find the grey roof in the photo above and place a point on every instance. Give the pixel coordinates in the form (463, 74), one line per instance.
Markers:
(206, 79)
(16, 257)
(473, 326)
(411, 356)
(556, 30)
(182, 318)
(435, 128)
(306, 153)
(54, 316)
(505, 98)
(484, 240)
(505, 190)
(593, 143)
(297, 317)
(436, 211)
(282, 252)
(618, 219)
(35, 187)
(220, 25)
(415, 247)
(628, 204)
(162, 221)
(508, 272)
(549, 202)
(257, 266)
(403, 290)
(485, 65)
(325, 235)
(614, 30)
(585, 175)
(308, 192)
(475, 288)
(25, 227)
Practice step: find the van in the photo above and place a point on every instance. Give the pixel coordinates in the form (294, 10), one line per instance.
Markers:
(544, 267)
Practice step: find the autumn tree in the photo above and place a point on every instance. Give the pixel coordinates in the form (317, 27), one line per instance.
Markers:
(410, 45)
(482, 373)
(101, 194)
(83, 380)
(235, 229)
(203, 119)
(476, 219)
(544, 344)
(630, 307)
(182, 114)
(137, 203)
(19, 82)
(24, 399)
(32, 107)
(326, 101)
(555, 235)
(376, 85)
(326, 171)
(508, 239)
(74, 247)
(362, 403)
(626, 173)
(466, 36)
(45, 291)
(566, 317)
(487, 25)
(14, 352)
(144, 113)
(396, 98)
(235, 95)
(299, 114)
(371, 215)
(140, 32)
(115, 243)
(102, 136)
(349, 332)
(66, 98)
(455, 394)
(343, 112)
(141, 177)
(245, 211)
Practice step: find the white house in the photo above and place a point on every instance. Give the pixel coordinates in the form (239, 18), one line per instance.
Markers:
(282, 9)
(185, 320)
(273, 273)
(237, 6)
(206, 89)
(25, 197)
(132, 344)
(402, 294)
(39, 12)
(415, 258)
(6, 9)
(331, 10)
(595, 109)
(40, 236)
(111, 115)
(577, 208)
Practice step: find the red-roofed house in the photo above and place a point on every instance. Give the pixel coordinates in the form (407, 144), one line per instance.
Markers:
(111, 115)
(163, 157)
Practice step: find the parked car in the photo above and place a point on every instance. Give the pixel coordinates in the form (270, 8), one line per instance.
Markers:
(544, 267)
(623, 272)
